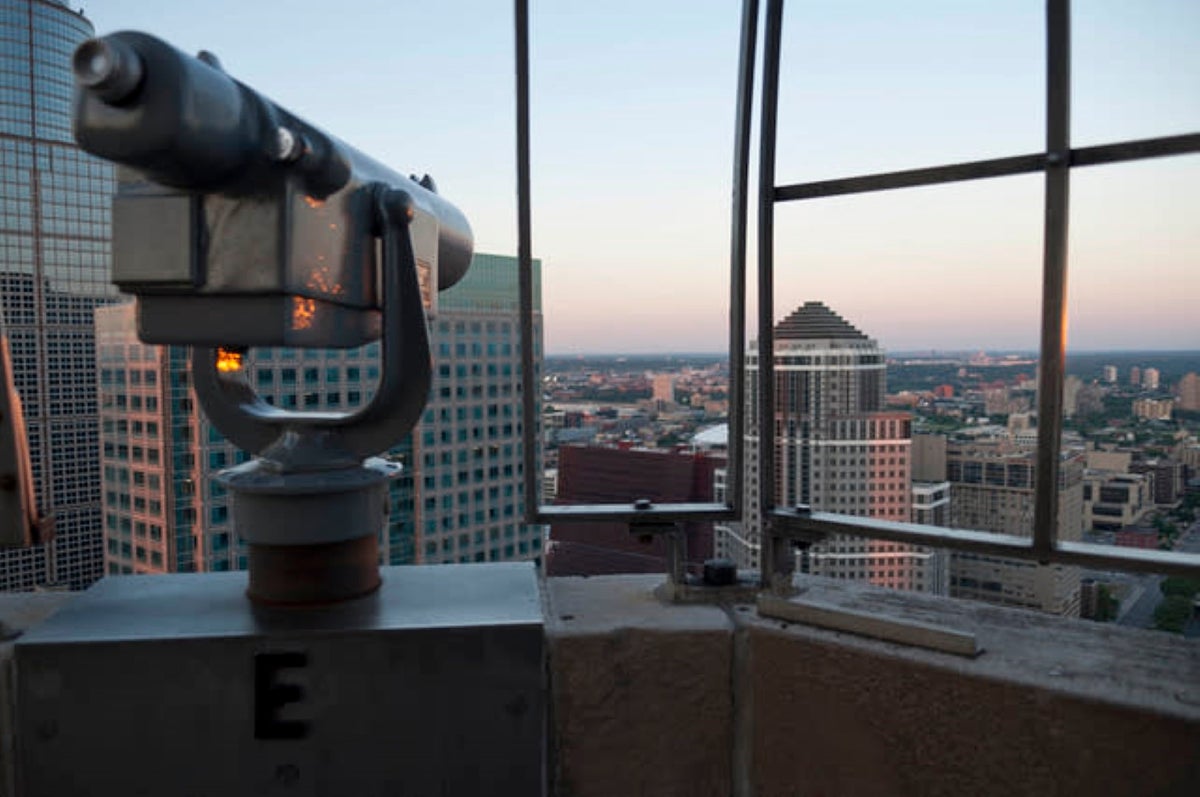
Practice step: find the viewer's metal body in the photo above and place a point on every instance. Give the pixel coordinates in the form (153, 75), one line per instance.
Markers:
(240, 225)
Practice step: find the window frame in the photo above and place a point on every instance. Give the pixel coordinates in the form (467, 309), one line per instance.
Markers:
(660, 517)
(784, 526)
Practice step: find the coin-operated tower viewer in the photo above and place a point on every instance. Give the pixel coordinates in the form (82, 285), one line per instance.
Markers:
(240, 225)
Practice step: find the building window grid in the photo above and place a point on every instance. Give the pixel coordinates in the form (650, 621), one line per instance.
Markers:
(58, 243)
(118, 378)
(1056, 162)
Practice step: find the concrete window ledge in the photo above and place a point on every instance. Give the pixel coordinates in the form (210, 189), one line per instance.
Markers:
(662, 699)
(651, 698)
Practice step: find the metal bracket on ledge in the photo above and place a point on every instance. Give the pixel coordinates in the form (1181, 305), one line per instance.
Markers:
(720, 583)
(888, 629)
(645, 531)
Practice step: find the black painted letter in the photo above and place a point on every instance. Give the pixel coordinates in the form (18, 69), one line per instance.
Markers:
(270, 696)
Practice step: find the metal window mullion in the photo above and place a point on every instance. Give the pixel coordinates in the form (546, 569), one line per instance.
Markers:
(1137, 149)
(775, 552)
(529, 422)
(534, 511)
(736, 438)
(1121, 151)
(912, 178)
(631, 513)
(1052, 357)
(1109, 557)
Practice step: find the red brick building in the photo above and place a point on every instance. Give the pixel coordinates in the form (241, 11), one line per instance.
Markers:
(592, 475)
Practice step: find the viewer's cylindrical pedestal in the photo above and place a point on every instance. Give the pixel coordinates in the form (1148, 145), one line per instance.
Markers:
(308, 574)
(312, 536)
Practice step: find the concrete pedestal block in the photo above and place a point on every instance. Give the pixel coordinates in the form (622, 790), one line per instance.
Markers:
(178, 685)
(641, 690)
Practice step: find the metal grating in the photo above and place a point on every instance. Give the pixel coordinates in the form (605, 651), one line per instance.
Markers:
(1057, 161)
(784, 525)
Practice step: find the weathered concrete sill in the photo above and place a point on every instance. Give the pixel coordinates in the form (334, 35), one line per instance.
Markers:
(662, 699)
(652, 698)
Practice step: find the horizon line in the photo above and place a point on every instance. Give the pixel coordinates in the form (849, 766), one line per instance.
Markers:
(889, 352)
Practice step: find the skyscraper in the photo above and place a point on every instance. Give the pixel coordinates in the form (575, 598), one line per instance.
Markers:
(1189, 392)
(664, 387)
(459, 498)
(1072, 386)
(54, 241)
(469, 500)
(837, 450)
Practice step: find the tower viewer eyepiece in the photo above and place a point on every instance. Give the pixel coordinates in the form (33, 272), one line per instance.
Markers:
(238, 210)
(109, 68)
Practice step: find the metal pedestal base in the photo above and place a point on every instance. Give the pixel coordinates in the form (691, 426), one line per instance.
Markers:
(177, 684)
(311, 533)
(300, 575)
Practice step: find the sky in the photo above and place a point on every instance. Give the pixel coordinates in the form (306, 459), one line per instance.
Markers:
(632, 139)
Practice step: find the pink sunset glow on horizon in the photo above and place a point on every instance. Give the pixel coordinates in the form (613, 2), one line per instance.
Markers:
(632, 136)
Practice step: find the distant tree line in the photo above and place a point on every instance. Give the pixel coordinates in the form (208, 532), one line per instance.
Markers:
(1176, 608)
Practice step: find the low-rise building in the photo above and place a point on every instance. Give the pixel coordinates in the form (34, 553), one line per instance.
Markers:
(1112, 501)
(622, 475)
(992, 489)
(1153, 409)
(1189, 392)
(1169, 477)
(1137, 537)
(1109, 461)
(931, 503)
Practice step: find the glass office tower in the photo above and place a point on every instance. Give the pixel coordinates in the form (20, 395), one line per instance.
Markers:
(54, 254)
(458, 499)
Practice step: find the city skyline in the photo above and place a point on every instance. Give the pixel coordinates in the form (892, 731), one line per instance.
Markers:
(916, 352)
(633, 109)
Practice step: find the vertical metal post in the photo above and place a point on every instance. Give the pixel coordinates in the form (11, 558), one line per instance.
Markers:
(1052, 359)
(737, 259)
(776, 556)
(676, 557)
(674, 539)
(529, 421)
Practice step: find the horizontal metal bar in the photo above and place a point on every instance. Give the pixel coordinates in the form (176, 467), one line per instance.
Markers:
(995, 167)
(974, 170)
(1136, 150)
(1142, 560)
(629, 513)
(787, 522)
